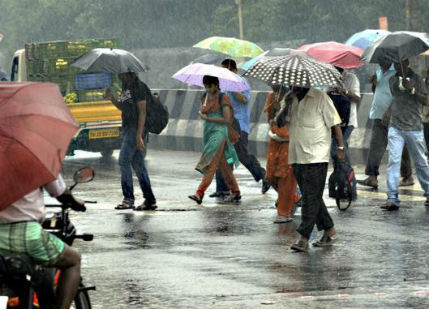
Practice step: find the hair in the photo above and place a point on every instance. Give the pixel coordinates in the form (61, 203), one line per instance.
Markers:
(210, 80)
(230, 63)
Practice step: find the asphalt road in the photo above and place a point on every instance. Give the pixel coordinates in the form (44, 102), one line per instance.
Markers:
(219, 256)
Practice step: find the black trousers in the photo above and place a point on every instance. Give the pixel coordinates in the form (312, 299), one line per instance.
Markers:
(248, 160)
(311, 179)
(378, 146)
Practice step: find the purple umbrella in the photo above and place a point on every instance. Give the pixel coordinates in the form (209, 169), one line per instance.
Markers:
(228, 81)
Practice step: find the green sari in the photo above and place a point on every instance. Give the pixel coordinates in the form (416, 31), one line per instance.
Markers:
(216, 136)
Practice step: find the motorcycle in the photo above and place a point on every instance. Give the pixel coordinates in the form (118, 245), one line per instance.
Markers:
(29, 286)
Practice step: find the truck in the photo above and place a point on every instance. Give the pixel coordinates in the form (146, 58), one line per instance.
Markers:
(99, 120)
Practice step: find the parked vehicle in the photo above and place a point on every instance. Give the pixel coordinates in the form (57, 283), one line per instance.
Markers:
(32, 286)
(99, 120)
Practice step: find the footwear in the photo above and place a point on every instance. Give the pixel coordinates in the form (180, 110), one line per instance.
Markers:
(390, 206)
(427, 202)
(265, 186)
(231, 199)
(218, 194)
(196, 198)
(370, 181)
(325, 241)
(145, 206)
(124, 205)
(282, 219)
(300, 246)
(407, 182)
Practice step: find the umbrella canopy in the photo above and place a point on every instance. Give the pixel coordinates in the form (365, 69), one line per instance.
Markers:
(35, 131)
(295, 70)
(397, 46)
(228, 81)
(334, 53)
(110, 60)
(210, 59)
(231, 46)
(364, 39)
(273, 52)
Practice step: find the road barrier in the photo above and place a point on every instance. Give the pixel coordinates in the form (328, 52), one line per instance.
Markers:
(185, 129)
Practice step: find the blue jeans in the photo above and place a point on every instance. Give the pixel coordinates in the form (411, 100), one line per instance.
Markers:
(129, 157)
(414, 140)
(347, 131)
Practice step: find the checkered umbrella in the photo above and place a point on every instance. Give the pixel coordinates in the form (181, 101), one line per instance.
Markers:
(294, 70)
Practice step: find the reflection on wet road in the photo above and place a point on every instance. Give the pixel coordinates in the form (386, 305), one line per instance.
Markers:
(219, 256)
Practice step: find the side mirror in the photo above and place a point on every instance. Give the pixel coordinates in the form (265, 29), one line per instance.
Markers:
(83, 175)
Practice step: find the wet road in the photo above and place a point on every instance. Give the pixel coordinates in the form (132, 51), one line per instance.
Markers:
(219, 256)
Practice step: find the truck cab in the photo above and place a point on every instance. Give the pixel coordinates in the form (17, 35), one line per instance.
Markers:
(99, 120)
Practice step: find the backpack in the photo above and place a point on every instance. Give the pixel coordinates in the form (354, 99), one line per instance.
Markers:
(343, 105)
(156, 113)
(342, 183)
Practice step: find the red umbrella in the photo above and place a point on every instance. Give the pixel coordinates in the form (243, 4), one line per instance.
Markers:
(35, 130)
(334, 53)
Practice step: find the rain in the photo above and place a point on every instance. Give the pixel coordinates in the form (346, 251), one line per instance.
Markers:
(214, 153)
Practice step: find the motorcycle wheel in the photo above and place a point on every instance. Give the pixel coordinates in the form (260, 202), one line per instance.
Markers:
(81, 300)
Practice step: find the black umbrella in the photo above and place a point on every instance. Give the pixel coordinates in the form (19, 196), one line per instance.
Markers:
(397, 47)
(295, 70)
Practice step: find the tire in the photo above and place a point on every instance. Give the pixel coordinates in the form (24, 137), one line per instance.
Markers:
(107, 154)
(81, 300)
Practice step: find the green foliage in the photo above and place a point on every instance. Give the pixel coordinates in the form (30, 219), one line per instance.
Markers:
(171, 23)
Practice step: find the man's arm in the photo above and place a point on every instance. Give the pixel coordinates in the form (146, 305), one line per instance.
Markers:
(338, 136)
(141, 105)
(109, 96)
(240, 97)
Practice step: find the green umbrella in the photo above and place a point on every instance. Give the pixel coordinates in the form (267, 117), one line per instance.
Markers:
(233, 47)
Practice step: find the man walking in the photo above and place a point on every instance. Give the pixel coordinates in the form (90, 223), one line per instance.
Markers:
(409, 94)
(133, 107)
(240, 102)
(380, 115)
(313, 120)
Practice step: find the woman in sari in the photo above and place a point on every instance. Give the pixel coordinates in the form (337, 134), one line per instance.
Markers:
(279, 173)
(219, 152)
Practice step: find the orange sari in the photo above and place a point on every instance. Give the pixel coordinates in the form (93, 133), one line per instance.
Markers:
(279, 173)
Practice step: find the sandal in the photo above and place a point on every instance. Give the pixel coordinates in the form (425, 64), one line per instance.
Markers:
(125, 205)
(196, 198)
(146, 207)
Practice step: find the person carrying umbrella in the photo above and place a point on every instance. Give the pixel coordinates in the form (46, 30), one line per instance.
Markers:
(218, 153)
(36, 128)
(240, 101)
(132, 103)
(380, 114)
(313, 119)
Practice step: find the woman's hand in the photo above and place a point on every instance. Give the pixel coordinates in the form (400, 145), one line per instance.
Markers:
(202, 115)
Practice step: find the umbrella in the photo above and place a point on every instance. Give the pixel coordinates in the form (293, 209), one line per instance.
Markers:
(295, 70)
(232, 46)
(397, 46)
(228, 81)
(277, 51)
(364, 38)
(110, 60)
(210, 59)
(35, 130)
(334, 53)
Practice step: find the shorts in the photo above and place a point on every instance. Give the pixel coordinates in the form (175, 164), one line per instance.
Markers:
(30, 239)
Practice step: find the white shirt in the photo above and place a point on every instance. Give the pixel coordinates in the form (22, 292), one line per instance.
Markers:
(352, 84)
(31, 207)
(311, 120)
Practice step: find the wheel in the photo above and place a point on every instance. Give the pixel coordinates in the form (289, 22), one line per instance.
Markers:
(81, 300)
(107, 153)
